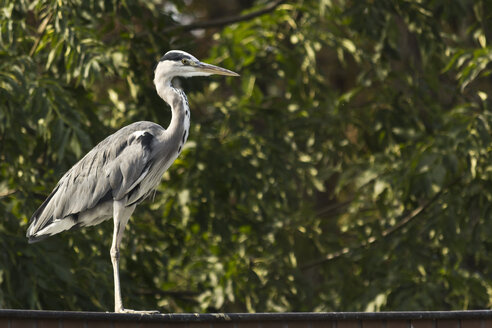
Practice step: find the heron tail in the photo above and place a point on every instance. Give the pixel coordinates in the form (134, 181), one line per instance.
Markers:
(39, 220)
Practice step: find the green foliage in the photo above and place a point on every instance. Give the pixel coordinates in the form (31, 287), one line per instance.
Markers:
(347, 169)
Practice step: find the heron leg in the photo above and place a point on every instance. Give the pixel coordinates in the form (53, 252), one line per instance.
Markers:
(121, 215)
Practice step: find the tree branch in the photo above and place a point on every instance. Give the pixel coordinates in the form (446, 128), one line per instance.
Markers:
(401, 223)
(224, 21)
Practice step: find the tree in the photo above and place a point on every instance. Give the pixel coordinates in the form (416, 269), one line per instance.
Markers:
(347, 169)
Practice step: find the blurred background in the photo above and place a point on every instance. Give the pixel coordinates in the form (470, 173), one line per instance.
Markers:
(349, 168)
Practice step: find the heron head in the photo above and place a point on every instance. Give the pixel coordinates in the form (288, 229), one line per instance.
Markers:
(180, 63)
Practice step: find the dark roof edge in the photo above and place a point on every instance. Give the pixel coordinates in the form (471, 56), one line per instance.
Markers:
(221, 317)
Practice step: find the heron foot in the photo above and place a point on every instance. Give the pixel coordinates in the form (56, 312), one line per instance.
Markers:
(137, 312)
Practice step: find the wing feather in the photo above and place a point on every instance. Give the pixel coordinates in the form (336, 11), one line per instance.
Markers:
(109, 171)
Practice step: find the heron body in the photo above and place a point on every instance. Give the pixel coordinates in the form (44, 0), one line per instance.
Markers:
(125, 166)
(123, 169)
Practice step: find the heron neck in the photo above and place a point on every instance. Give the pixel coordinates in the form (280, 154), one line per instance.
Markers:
(177, 132)
(164, 89)
(180, 111)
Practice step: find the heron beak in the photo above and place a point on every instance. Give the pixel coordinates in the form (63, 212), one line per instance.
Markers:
(212, 69)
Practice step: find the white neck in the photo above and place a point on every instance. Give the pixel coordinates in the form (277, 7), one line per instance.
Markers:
(179, 126)
(164, 88)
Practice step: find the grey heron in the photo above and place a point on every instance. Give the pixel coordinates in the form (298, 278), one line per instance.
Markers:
(123, 169)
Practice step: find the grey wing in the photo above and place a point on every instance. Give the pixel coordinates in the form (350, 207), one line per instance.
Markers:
(131, 166)
(112, 170)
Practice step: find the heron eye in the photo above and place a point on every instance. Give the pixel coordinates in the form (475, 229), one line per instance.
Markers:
(185, 61)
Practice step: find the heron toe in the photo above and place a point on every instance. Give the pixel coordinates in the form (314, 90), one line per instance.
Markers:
(138, 312)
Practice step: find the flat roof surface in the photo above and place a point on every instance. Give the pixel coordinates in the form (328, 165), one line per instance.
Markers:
(246, 317)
